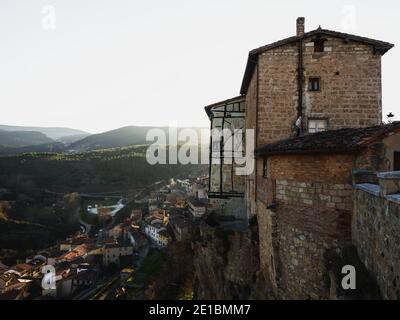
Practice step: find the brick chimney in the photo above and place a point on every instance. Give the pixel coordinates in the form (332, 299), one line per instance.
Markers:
(300, 26)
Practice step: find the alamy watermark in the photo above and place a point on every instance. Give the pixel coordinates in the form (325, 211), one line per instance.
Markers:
(49, 17)
(188, 146)
(49, 278)
(349, 17)
(349, 280)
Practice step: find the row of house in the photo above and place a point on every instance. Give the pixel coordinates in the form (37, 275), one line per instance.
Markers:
(78, 262)
(174, 212)
(15, 280)
(155, 227)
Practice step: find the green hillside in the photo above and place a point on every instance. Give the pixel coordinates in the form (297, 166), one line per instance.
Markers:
(126, 136)
(102, 170)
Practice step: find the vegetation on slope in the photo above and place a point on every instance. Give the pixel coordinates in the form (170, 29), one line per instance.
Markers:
(118, 169)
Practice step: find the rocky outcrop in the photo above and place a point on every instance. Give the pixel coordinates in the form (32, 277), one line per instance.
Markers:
(226, 263)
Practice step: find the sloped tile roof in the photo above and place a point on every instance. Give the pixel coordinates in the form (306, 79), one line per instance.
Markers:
(333, 141)
(379, 46)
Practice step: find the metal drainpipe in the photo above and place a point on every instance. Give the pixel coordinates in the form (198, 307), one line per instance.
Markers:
(300, 83)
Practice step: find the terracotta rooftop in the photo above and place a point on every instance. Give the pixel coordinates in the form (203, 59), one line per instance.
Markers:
(78, 252)
(333, 141)
(22, 267)
(8, 276)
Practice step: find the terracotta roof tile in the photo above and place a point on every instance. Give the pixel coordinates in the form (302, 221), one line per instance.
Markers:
(333, 141)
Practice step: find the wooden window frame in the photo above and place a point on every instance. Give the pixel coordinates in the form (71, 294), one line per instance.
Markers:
(310, 80)
(317, 119)
(318, 45)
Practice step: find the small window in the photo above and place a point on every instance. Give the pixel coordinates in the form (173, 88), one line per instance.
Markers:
(317, 125)
(265, 168)
(314, 84)
(319, 45)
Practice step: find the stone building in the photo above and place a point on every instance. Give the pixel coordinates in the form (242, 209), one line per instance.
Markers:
(305, 208)
(314, 81)
(114, 252)
(155, 227)
(181, 226)
(314, 101)
(6, 279)
(196, 207)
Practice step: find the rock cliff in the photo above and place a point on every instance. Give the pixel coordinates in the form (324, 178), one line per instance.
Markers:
(226, 263)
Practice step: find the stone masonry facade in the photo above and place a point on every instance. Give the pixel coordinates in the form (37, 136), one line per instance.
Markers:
(304, 202)
(350, 92)
(309, 214)
(321, 195)
(376, 232)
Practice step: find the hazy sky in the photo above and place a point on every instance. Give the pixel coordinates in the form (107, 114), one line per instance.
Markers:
(101, 64)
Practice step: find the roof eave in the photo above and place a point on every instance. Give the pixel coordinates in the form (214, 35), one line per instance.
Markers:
(380, 47)
(252, 61)
(261, 153)
(226, 101)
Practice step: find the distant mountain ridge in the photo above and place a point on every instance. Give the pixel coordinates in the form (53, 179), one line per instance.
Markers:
(54, 133)
(18, 142)
(67, 140)
(122, 137)
(22, 138)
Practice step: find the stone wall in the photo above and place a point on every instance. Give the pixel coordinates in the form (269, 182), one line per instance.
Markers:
(350, 80)
(336, 167)
(305, 235)
(308, 215)
(251, 106)
(268, 247)
(277, 111)
(376, 231)
(296, 232)
(316, 194)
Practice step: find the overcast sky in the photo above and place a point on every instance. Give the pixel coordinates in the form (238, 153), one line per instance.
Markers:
(101, 64)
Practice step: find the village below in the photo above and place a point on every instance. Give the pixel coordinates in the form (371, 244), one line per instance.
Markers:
(125, 248)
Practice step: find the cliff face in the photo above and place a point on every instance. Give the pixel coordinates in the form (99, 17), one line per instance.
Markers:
(226, 264)
(227, 267)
